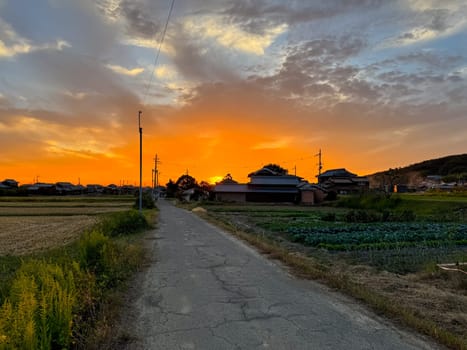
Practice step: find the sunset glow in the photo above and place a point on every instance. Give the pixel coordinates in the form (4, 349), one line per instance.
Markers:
(237, 85)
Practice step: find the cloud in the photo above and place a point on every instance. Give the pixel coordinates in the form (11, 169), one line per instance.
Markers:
(125, 71)
(198, 61)
(165, 72)
(138, 18)
(232, 36)
(12, 44)
(281, 143)
(76, 95)
(427, 21)
(254, 16)
(59, 139)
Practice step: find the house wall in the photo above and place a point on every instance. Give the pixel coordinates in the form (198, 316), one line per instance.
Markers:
(271, 197)
(230, 197)
(308, 197)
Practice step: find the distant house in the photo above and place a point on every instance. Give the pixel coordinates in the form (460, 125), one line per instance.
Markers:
(94, 189)
(311, 194)
(9, 184)
(41, 188)
(342, 181)
(267, 185)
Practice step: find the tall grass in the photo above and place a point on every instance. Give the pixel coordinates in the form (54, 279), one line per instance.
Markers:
(53, 302)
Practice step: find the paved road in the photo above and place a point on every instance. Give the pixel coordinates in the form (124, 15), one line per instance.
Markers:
(206, 290)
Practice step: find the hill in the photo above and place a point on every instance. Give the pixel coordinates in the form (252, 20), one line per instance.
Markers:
(450, 168)
(450, 165)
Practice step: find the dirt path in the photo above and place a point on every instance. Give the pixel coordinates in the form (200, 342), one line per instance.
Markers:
(207, 290)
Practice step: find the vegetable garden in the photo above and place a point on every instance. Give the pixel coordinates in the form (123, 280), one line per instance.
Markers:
(390, 235)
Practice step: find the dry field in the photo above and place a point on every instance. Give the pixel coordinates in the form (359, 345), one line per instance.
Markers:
(20, 235)
(57, 211)
(28, 226)
(68, 204)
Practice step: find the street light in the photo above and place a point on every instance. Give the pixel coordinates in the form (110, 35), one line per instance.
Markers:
(140, 164)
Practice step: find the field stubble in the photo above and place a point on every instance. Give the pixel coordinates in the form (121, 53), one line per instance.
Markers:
(20, 235)
(29, 225)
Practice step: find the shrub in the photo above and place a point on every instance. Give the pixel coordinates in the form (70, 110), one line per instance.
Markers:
(147, 201)
(122, 223)
(91, 246)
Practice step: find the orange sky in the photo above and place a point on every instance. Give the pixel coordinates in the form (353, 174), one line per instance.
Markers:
(374, 85)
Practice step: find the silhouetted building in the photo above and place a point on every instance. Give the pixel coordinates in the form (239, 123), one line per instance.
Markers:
(342, 181)
(269, 186)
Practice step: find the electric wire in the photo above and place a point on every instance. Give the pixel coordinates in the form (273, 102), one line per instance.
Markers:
(156, 59)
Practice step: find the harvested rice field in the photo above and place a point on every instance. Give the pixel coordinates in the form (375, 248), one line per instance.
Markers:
(28, 234)
(35, 224)
(58, 211)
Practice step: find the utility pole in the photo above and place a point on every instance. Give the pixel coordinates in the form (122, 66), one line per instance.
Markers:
(140, 164)
(156, 172)
(320, 164)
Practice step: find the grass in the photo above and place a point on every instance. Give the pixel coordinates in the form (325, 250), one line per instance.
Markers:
(63, 296)
(428, 207)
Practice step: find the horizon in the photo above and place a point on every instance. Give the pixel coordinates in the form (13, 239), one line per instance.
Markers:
(217, 179)
(374, 85)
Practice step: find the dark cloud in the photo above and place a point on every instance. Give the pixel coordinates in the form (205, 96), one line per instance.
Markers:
(399, 77)
(140, 22)
(428, 58)
(197, 61)
(439, 19)
(256, 16)
(83, 88)
(318, 68)
(458, 95)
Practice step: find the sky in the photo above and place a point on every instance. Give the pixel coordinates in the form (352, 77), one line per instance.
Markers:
(239, 84)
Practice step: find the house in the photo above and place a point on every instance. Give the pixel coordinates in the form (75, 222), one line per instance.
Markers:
(267, 185)
(94, 189)
(41, 188)
(342, 181)
(311, 194)
(9, 184)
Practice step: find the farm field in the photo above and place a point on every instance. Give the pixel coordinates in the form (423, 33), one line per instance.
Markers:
(33, 224)
(390, 247)
(58, 276)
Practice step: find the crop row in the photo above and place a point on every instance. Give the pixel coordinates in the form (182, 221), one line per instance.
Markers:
(380, 236)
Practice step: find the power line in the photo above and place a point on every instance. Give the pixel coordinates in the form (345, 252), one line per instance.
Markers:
(158, 51)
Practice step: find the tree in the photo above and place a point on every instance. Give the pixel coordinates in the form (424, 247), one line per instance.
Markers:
(185, 182)
(205, 190)
(276, 168)
(228, 180)
(171, 189)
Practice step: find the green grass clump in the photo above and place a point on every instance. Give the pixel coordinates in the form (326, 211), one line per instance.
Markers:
(123, 223)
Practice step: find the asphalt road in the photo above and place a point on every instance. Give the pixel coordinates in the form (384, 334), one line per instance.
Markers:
(207, 290)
